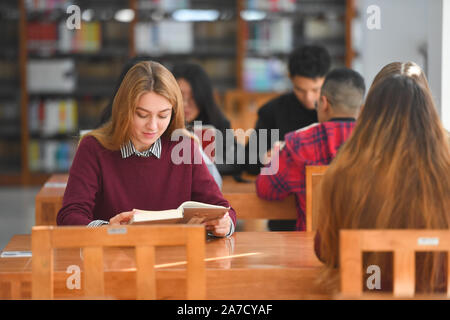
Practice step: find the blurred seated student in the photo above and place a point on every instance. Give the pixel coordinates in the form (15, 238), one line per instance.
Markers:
(393, 173)
(201, 107)
(341, 97)
(307, 66)
(106, 116)
(129, 161)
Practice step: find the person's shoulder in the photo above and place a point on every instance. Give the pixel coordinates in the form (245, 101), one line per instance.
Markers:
(303, 132)
(274, 104)
(338, 125)
(90, 142)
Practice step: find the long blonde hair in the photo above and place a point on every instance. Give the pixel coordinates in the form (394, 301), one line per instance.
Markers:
(143, 77)
(393, 172)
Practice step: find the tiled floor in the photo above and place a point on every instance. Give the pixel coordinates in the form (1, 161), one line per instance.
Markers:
(16, 212)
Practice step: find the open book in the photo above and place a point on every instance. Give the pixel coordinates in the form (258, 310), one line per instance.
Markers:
(187, 212)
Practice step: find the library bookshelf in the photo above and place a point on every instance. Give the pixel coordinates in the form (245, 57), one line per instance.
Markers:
(234, 50)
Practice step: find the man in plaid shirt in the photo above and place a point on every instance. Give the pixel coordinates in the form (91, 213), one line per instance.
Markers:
(341, 97)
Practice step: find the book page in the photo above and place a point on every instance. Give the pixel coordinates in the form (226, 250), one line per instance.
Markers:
(195, 204)
(146, 216)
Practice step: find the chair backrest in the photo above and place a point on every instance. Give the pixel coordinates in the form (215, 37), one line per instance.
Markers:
(313, 177)
(92, 241)
(250, 206)
(403, 243)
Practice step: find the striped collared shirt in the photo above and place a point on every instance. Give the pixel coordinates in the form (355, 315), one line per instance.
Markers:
(128, 150)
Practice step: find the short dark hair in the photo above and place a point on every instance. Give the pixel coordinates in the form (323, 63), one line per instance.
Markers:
(345, 88)
(309, 61)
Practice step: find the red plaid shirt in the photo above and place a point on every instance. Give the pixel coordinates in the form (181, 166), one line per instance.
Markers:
(316, 144)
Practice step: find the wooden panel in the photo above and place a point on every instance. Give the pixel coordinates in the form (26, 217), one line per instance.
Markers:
(42, 263)
(146, 279)
(350, 14)
(230, 185)
(313, 177)
(404, 273)
(49, 199)
(350, 262)
(249, 206)
(417, 240)
(448, 274)
(70, 237)
(93, 272)
(196, 276)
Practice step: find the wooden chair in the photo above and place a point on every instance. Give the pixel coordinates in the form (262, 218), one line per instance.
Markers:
(92, 241)
(15, 286)
(313, 177)
(403, 243)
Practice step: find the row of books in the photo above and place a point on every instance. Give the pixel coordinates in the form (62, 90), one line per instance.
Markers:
(165, 36)
(59, 75)
(45, 4)
(48, 117)
(271, 5)
(164, 5)
(265, 75)
(271, 36)
(51, 155)
(48, 38)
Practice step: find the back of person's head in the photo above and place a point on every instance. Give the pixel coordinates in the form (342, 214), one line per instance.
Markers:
(393, 172)
(409, 69)
(309, 62)
(143, 77)
(202, 92)
(344, 89)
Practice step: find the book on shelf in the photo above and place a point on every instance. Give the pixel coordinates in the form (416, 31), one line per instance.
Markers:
(51, 155)
(187, 212)
(53, 116)
(271, 5)
(265, 75)
(87, 39)
(164, 37)
(51, 76)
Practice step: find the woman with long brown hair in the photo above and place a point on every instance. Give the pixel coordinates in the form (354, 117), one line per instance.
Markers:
(129, 161)
(393, 173)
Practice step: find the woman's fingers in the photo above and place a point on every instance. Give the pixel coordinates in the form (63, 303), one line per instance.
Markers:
(219, 227)
(121, 218)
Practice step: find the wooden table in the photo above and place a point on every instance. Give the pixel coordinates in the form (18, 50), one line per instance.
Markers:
(49, 198)
(249, 265)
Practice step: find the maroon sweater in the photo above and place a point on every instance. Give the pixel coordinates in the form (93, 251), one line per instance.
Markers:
(102, 184)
